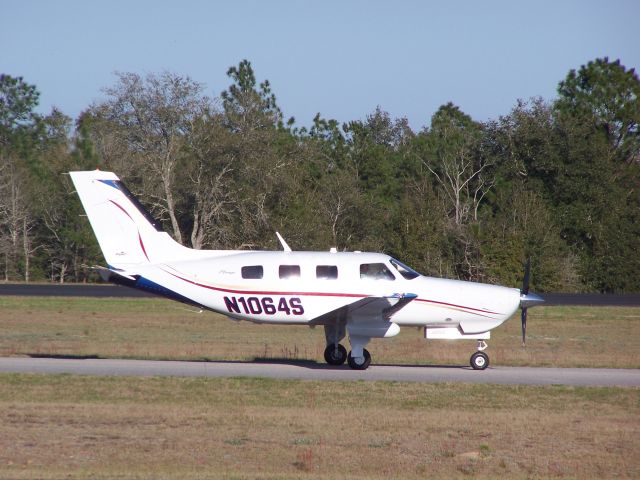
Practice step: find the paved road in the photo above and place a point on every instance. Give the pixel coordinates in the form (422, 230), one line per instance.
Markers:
(69, 290)
(108, 290)
(313, 371)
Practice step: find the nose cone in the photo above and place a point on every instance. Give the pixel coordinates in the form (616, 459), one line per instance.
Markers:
(530, 300)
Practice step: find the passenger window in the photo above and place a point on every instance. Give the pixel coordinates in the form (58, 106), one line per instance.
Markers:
(327, 272)
(289, 271)
(375, 271)
(252, 272)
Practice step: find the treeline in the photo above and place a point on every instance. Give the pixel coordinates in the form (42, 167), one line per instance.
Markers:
(557, 182)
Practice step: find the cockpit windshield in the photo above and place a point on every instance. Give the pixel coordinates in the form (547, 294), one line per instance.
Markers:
(407, 272)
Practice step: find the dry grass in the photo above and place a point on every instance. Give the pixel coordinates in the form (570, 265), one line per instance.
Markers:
(81, 427)
(150, 328)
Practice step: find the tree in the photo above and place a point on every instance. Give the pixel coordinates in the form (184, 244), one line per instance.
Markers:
(210, 182)
(67, 245)
(140, 131)
(15, 219)
(597, 115)
(264, 156)
(376, 147)
(21, 134)
(555, 181)
(18, 101)
(246, 107)
(521, 219)
(451, 152)
(597, 204)
(453, 158)
(608, 94)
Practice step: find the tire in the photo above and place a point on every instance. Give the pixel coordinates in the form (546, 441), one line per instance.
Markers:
(364, 365)
(479, 361)
(335, 356)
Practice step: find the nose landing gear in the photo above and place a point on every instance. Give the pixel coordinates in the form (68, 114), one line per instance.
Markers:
(480, 360)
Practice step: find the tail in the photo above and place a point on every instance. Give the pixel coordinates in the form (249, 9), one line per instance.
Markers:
(128, 235)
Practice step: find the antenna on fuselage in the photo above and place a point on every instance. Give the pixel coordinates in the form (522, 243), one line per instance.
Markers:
(285, 247)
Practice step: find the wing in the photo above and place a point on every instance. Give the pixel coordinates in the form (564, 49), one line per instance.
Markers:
(374, 312)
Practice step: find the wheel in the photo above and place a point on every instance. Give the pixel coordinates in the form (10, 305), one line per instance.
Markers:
(479, 361)
(335, 356)
(360, 366)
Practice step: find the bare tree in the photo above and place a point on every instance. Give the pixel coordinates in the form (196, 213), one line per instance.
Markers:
(213, 160)
(141, 131)
(16, 223)
(456, 163)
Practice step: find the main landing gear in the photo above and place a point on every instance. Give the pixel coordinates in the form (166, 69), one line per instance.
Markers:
(480, 360)
(359, 336)
(360, 363)
(337, 355)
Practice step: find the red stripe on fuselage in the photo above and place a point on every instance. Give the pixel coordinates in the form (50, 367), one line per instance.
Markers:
(457, 306)
(325, 294)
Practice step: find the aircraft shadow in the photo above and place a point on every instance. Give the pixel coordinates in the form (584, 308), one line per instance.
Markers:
(323, 366)
(456, 367)
(314, 365)
(309, 364)
(63, 356)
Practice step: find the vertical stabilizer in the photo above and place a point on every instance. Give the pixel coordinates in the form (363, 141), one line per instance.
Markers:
(128, 235)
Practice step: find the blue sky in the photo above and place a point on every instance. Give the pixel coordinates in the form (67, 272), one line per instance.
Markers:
(340, 58)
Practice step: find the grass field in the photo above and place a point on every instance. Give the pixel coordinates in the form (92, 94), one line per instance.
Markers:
(160, 329)
(149, 428)
(75, 427)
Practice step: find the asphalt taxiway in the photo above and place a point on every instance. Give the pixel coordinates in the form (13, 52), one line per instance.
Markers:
(299, 370)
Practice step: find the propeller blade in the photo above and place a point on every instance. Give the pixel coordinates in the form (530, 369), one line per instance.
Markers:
(523, 317)
(527, 299)
(527, 273)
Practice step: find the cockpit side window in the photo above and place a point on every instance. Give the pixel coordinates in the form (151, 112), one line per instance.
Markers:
(375, 271)
(407, 272)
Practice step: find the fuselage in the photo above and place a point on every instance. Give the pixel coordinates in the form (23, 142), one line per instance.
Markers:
(300, 287)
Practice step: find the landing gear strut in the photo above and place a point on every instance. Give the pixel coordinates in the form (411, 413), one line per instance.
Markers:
(480, 360)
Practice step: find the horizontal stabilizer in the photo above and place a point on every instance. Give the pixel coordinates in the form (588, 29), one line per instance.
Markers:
(117, 277)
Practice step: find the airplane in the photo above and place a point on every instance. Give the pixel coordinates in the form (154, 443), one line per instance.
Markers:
(360, 294)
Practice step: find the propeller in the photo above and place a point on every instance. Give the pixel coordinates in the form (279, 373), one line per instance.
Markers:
(525, 292)
(527, 299)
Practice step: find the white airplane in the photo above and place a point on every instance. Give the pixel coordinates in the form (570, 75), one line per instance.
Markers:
(364, 295)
